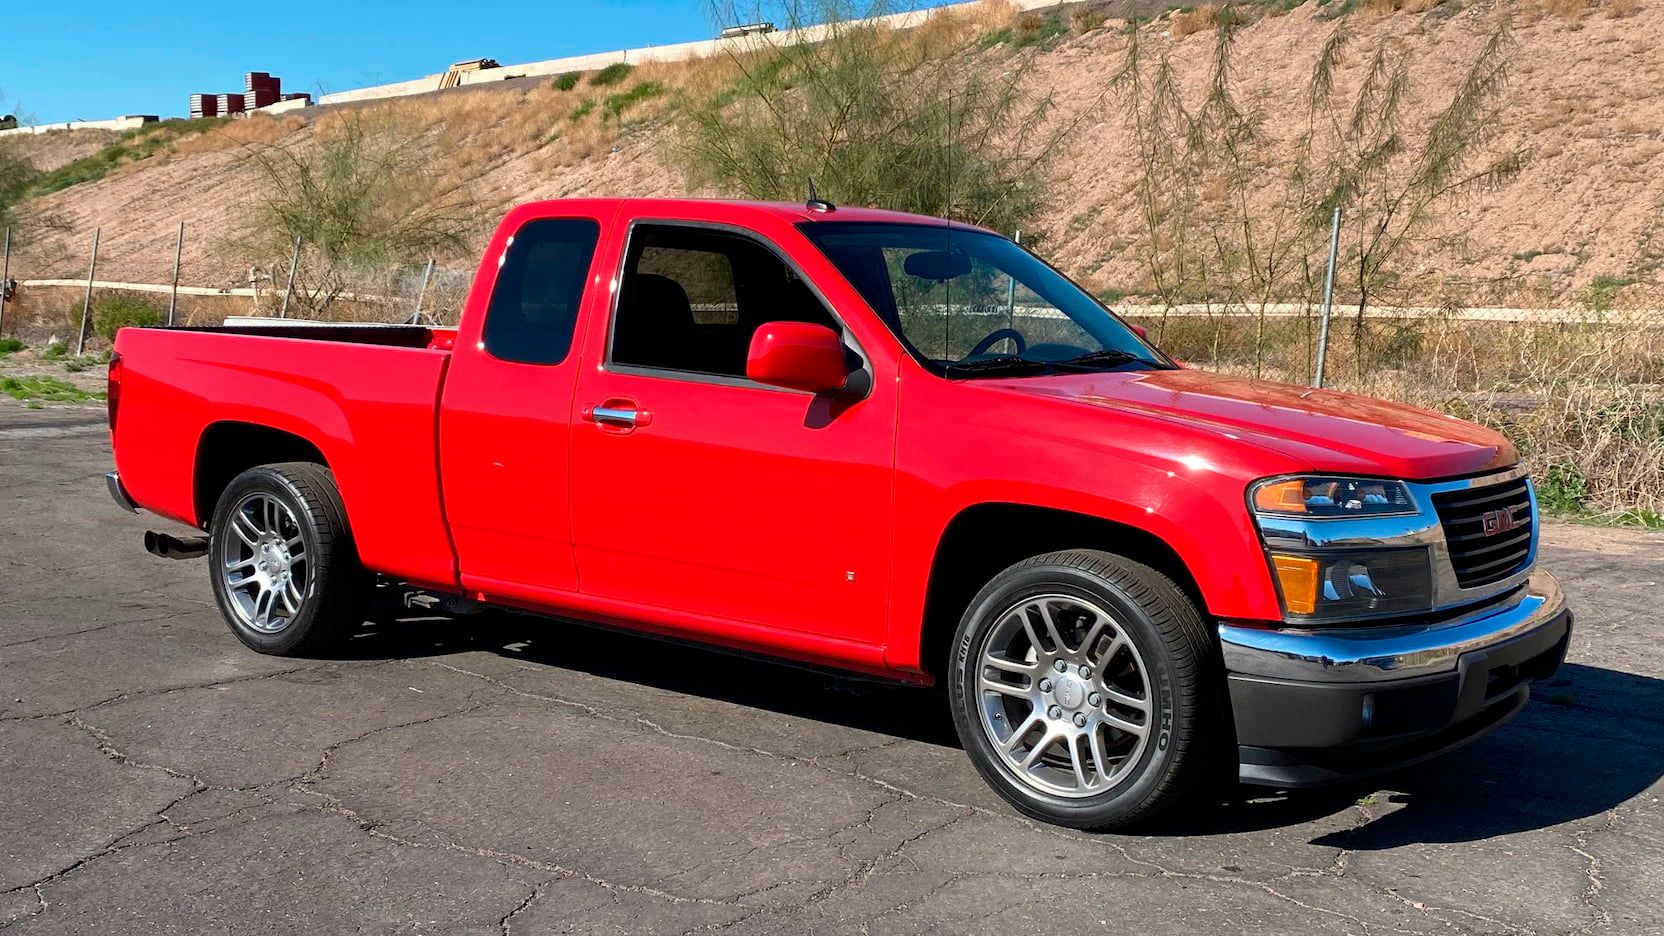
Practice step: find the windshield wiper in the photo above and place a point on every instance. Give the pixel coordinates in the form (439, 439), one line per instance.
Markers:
(1106, 356)
(1004, 363)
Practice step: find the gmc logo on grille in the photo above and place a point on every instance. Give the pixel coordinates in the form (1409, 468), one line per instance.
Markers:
(1499, 521)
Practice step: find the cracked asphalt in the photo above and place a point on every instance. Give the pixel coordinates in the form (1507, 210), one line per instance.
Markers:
(503, 774)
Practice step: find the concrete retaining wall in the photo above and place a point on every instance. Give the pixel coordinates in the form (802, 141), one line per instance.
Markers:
(679, 52)
(117, 123)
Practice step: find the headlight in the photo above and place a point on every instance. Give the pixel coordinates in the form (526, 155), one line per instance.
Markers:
(1330, 571)
(1323, 497)
(1325, 586)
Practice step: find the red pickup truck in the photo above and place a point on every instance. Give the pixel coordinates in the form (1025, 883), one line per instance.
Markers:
(880, 443)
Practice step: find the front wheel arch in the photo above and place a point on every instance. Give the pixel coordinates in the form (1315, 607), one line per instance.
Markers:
(984, 539)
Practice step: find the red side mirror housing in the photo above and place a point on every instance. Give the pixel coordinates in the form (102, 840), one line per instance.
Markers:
(1140, 331)
(797, 356)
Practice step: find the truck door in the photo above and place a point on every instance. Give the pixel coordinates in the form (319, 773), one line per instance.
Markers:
(504, 429)
(700, 491)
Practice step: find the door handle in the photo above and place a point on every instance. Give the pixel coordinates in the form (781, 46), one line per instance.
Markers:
(614, 415)
(617, 414)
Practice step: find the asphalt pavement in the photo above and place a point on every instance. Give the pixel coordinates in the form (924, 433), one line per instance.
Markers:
(505, 774)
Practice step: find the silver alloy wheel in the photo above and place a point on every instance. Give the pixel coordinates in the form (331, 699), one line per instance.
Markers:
(264, 564)
(1064, 696)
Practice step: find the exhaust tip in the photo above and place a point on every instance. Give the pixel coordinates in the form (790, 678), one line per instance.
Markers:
(170, 547)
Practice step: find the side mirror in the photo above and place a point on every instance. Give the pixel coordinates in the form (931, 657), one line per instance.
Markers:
(1140, 331)
(797, 356)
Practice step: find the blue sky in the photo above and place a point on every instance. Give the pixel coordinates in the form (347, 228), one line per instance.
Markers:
(93, 59)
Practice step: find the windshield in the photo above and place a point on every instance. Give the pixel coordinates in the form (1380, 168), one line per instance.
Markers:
(974, 304)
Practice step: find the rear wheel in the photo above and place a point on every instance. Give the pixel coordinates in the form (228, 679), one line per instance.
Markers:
(1084, 689)
(281, 560)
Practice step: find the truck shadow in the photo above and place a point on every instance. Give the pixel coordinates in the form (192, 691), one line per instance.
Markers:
(1591, 738)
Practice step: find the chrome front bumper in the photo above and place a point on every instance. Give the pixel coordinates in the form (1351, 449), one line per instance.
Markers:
(1376, 654)
(1319, 706)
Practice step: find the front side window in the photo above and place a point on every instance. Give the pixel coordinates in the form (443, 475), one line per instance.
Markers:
(691, 298)
(968, 303)
(534, 306)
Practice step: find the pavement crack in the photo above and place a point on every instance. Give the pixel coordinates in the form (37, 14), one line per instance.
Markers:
(168, 690)
(85, 630)
(597, 712)
(536, 895)
(1599, 917)
(316, 773)
(332, 805)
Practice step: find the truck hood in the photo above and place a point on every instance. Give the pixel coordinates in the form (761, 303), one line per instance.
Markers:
(1330, 431)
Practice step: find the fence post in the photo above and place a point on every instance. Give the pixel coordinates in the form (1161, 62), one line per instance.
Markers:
(5, 278)
(1328, 298)
(416, 317)
(178, 249)
(86, 302)
(289, 290)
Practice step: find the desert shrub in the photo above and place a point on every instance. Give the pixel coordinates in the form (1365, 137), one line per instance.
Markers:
(913, 121)
(996, 37)
(366, 195)
(10, 346)
(1084, 19)
(584, 109)
(1033, 29)
(1598, 296)
(111, 314)
(566, 81)
(614, 105)
(1195, 20)
(611, 75)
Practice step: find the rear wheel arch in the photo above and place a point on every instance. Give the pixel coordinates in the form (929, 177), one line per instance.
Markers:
(984, 539)
(229, 448)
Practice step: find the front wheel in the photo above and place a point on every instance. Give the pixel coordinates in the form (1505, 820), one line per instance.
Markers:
(1084, 687)
(281, 560)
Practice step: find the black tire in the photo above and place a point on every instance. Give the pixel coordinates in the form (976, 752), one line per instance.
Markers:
(336, 590)
(1187, 727)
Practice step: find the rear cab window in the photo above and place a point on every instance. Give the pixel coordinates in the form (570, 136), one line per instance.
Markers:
(534, 306)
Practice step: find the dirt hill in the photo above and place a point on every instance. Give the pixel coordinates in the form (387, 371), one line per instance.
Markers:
(1585, 102)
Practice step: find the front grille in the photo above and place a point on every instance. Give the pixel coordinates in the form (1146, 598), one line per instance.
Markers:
(1489, 530)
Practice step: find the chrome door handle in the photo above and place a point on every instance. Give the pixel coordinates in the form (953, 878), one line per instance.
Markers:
(615, 416)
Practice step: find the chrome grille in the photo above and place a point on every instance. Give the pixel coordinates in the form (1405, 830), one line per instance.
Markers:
(1489, 530)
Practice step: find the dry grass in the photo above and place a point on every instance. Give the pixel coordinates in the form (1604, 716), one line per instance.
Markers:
(1203, 17)
(1620, 9)
(1532, 10)
(258, 130)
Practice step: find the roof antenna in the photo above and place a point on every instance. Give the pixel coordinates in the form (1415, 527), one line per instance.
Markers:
(817, 203)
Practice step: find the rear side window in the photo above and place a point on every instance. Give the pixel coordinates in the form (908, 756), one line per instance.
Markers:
(534, 307)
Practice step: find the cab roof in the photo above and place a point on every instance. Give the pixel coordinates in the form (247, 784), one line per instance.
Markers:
(790, 212)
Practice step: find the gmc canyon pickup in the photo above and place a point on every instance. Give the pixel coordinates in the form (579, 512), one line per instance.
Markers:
(880, 443)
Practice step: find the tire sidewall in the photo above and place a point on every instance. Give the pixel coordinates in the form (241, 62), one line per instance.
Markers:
(1160, 754)
(263, 480)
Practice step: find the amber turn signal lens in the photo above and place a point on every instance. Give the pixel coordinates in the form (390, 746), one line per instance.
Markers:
(1298, 577)
(1282, 497)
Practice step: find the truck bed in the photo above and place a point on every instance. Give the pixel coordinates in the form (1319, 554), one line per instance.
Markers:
(366, 397)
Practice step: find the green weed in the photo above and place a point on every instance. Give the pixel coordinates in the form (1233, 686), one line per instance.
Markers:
(611, 75)
(45, 389)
